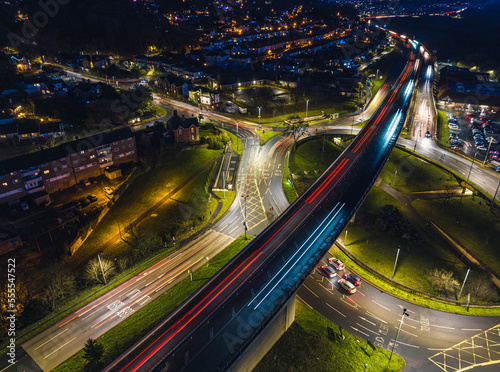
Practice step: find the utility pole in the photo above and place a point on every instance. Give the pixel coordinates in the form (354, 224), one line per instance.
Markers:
(345, 239)
(307, 107)
(102, 270)
(466, 275)
(468, 175)
(494, 196)
(259, 116)
(397, 334)
(487, 152)
(245, 219)
(396, 262)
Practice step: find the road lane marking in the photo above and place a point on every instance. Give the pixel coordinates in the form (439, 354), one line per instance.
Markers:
(382, 306)
(10, 365)
(402, 330)
(310, 290)
(471, 329)
(336, 310)
(410, 345)
(368, 329)
(438, 326)
(366, 334)
(301, 299)
(366, 320)
(51, 339)
(74, 338)
(376, 317)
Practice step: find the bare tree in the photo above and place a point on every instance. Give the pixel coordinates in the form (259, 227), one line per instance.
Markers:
(95, 274)
(60, 284)
(296, 128)
(443, 280)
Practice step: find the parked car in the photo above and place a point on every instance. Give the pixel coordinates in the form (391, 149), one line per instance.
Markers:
(85, 182)
(92, 198)
(328, 271)
(482, 149)
(354, 279)
(83, 202)
(108, 190)
(348, 286)
(493, 152)
(495, 157)
(336, 263)
(455, 148)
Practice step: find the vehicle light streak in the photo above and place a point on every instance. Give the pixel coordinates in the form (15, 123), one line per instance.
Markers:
(328, 221)
(321, 187)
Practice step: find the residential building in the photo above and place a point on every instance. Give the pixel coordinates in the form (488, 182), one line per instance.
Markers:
(63, 166)
(184, 129)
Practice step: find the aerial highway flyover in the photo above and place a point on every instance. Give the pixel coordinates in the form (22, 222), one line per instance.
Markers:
(211, 329)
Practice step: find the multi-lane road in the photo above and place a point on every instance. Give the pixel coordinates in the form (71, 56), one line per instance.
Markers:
(217, 322)
(260, 193)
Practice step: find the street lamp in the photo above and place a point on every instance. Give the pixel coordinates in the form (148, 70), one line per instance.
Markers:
(468, 175)
(307, 107)
(245, 219)
(259, 115)
(487, 152)
(397, 334)
(100, 264)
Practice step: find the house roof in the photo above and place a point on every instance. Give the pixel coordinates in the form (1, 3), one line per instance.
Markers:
(176, 121)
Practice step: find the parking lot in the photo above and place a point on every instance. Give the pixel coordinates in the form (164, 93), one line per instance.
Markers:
(484, 125)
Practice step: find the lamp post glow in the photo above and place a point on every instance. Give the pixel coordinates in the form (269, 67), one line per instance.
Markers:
(259, 116)
(307, 107)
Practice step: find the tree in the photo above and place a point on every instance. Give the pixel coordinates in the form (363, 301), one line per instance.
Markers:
(296, 129)
(93, 352)
(144, 243)
(60, 284)
(95, 274)
(443, 281)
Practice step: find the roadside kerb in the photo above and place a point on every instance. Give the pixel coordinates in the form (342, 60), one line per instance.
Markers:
(404, 287)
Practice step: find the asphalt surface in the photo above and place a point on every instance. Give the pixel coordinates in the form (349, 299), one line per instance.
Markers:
(266, 174)
(375, 316)
(213, 326)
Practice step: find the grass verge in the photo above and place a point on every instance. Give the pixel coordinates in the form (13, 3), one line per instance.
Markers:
(144, 192)
(414, 174)
(371, 243)
(309, 161)
(286, 183)
(310, 345)
(121, 337)
(226, 202)
(470, 222)
(237, 146)
(409, 297)
(443, 132)
(266, 135)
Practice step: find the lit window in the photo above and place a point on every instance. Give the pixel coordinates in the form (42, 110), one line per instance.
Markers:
(5, 183)
(46, 171)
(15, 181)
(92, 156)
(82, 152)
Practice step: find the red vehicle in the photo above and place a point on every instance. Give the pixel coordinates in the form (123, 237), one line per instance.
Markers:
(495, 157)
(456, 148)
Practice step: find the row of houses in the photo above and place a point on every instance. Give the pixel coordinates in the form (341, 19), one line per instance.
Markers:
(50, 170)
